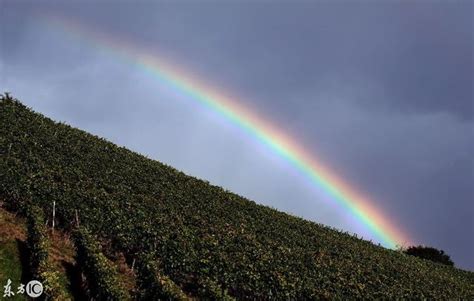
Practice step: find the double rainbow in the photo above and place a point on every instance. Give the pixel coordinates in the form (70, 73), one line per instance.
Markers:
(361, 208)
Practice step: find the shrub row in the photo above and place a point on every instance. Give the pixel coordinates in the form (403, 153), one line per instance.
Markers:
(38, 248)
(153, 285)
(101, 275)
(211, 290)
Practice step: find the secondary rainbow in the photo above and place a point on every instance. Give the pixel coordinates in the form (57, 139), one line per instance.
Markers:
(266, 133)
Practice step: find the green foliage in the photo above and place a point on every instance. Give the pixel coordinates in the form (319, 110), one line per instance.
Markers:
(52, 286)
(38, 248)
(206, 240)
(102, 277)
(429, 253)
(211, 290)
(10, 266)
(153, 284)
(37, 241)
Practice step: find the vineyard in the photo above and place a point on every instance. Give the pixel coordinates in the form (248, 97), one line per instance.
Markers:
(182, 237)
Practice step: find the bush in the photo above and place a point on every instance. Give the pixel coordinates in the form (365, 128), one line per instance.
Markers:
(211, 290)
(102, 277)
(37, 240)
(430, 254)
(38, 249)
(153, 284)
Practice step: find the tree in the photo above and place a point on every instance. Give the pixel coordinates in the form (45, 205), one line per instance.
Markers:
(430, 254)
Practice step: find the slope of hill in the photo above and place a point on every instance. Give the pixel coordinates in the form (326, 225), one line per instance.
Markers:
(14, 256)
(12, 236)
(204, 241)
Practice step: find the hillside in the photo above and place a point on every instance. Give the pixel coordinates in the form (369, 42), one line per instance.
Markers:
(13, 255)
(185, 238)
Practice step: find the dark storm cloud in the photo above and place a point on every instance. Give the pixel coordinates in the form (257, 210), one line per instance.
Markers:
(419, 53)
(382, 92)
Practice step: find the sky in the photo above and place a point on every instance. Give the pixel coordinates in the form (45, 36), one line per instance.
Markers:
(381, 92)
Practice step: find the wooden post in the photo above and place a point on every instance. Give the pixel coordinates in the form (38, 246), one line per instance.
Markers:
(77, 218)
(54, 212)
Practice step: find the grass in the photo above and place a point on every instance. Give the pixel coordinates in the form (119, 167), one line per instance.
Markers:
(11, 235)
(61, 256)
(10, 267)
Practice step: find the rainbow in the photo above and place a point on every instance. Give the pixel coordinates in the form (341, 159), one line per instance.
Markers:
(359, 207)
